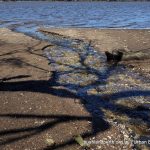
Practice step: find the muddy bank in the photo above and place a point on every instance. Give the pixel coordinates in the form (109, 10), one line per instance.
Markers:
(74, 94)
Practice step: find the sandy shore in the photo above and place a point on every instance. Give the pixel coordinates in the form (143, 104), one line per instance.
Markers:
(108, 39)
(34, 114)
(111, 39)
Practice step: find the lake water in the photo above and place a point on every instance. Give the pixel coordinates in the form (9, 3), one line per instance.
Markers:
(27, 16)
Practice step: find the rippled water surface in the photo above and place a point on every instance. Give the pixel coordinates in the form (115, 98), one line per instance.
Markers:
(75, 14)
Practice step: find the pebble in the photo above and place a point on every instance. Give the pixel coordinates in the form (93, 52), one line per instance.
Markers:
(109, 137)
(50, 141)
(99, 147)
(21, 94)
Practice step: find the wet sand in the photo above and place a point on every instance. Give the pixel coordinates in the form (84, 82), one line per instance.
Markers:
(112, 39)
(34, 112)
(108, 39)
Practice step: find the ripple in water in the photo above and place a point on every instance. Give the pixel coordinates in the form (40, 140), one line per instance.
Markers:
(63, 14)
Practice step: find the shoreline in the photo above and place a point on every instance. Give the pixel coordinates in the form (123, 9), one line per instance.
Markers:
(115, 38)
(102, 1)
(32, 103)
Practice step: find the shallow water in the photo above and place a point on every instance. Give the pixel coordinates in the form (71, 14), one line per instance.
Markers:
(30, 15)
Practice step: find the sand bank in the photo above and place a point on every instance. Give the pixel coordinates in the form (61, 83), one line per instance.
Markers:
(34, 112)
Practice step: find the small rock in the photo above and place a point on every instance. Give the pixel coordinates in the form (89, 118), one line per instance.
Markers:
(79, 140)
(99, 147)
(50, 141)
(21, 94)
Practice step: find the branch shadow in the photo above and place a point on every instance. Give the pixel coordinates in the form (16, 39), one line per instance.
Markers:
(73, 90)
(14, 77)
(19, 62)
(33, 130)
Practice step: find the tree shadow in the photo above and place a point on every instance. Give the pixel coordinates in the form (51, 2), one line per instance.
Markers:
(19, 62)
(10, 53)
(33, 130)
(94, 103)
(98, 123)
(14, 77)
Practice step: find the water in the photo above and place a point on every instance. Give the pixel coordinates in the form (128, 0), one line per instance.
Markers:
(27, 16)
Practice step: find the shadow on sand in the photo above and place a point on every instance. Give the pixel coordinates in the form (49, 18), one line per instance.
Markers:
(91, 102)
